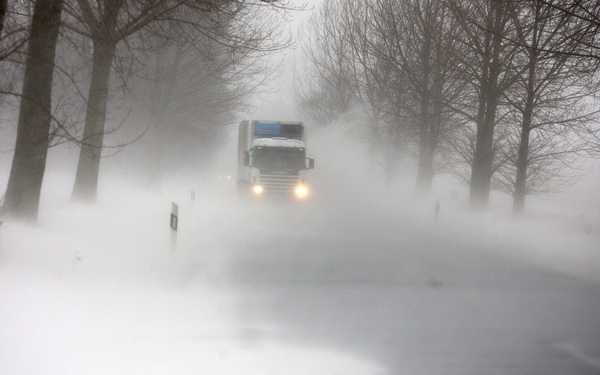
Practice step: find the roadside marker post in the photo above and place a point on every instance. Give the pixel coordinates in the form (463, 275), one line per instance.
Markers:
(174, 224)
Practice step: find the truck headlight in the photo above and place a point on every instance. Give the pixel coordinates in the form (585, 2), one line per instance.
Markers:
(257, 189)
(301, 191)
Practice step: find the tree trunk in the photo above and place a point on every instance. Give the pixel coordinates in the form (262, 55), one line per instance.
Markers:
(522, 164)
(425, 168)
(86, 179)
(481, 173)
(29, 161)
(3, 9)
(523, 158)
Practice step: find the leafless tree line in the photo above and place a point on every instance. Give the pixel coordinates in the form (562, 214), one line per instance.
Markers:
(188, 64)
(499, 92)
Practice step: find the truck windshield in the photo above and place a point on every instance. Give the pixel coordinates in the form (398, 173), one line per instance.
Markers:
(278, 158)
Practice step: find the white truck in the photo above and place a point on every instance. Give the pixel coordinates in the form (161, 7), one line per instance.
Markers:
(272, 158)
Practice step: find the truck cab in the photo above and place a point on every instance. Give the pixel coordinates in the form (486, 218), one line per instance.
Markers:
(272, 158)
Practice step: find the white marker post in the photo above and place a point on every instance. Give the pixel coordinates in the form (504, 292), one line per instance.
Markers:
(174, 223)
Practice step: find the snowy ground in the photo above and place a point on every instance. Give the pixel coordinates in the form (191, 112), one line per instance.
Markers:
(100, 290)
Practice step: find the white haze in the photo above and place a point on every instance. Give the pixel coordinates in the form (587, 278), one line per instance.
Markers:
(99, 290)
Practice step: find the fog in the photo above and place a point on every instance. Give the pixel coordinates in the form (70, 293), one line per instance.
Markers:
(361, 278)
(366, 275)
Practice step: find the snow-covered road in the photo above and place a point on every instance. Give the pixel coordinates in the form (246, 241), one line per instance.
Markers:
(330, 287)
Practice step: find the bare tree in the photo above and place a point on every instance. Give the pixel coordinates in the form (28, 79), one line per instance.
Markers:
(584, 35)
(394, 58)
(109, 22)
(487, 65)
(462, 76)
(192, 88)
(550, 96)
(326, 88)
(15, 30)
(27, 172)
(345, 79)
(418, 42)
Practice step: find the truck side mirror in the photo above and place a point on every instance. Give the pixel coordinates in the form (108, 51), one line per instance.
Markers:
(247, 160)
(311, 163)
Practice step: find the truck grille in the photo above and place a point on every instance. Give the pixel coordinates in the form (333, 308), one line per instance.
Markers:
(278, 183)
